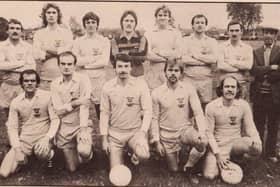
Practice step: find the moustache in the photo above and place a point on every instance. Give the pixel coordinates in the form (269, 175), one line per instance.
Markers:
(15, 34)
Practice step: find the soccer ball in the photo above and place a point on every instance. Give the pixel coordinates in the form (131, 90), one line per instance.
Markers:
(233, 175)
(120, 175)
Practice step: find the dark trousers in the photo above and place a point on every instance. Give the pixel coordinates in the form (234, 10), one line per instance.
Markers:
(97, 109)
(264, 109)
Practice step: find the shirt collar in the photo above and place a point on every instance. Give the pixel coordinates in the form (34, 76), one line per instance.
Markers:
(240, 43)
(130, 81)
(265, 47)
(22, 96)
(235, 102)
(157, 29)
(180, 85)
(9, 43)
(204, 36)
(75, 78)
(123, 35)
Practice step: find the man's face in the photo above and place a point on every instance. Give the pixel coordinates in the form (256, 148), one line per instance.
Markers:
(91, 25)
(162, 18)
(66, 65)
(269, 36)
(123, 69)
(29, 83)
(199, 25)
(235, 32)
(229, 88)
(173, 73)
(14, 31)
(128, 24)
(51, 15)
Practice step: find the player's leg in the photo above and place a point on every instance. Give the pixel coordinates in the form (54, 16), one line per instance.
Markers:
(139, 145)
(71, 158)
(245, 145)
(85, 152)
(172, 161)
(210, 169)
(10, 164)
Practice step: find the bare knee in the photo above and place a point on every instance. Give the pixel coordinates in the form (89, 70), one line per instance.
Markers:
(84, 150)
(143, 155)
(72, 167)
(173, 168)
(210, 175)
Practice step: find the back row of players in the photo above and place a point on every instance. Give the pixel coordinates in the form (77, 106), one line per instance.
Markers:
(180, 75)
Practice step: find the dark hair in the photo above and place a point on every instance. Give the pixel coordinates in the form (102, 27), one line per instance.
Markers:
(90, 15)
(163, 8)
(219, 89)
(200, 16)
(173, 63)
(29, 72)
(15, 21)
(126, 13)
(235, 22)
(66, 53)
(44, 10)
(122, 57)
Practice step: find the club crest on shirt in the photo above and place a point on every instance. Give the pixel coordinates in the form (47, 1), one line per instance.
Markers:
(180, 102)
(129, 101)
(36, 112)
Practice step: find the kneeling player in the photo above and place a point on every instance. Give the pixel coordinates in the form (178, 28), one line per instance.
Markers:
(70, 97)
(124, 99)
(31, 125)
(227, 116)
(173, 103)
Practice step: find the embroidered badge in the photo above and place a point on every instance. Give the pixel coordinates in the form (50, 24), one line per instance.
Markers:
(129, 101)
(36, 112)
(180, 101)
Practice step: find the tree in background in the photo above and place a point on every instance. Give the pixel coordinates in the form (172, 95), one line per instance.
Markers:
(3, 29)
(249, 14)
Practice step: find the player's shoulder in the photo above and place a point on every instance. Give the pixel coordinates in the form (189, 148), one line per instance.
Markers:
(214, 103)
(241, 102)
(110, 83)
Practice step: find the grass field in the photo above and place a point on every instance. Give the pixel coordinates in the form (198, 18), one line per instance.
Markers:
(151, 173)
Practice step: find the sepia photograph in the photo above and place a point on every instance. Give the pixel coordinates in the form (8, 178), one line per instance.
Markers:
(139, 93)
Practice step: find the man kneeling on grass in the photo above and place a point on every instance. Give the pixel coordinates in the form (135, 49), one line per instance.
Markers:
(232, 130)
(173, 103)
(31, 125)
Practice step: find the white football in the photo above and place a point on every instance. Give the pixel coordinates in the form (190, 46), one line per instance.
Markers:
(233, 175)
(120, 175)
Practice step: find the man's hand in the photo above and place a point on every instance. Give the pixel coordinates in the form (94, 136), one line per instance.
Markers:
(76, 102)
(222, 162)
(20, 156)
(50, 54)
(42, 146)
(202, 141)
(105, 144)
(85, 136)
(159, 148)
(255, 148)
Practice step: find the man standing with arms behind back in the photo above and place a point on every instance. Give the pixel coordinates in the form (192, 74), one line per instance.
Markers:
(265, 90)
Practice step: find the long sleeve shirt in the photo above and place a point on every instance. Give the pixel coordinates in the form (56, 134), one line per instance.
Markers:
(220, 128)
(58, 40)
(92, 54)
(121, 106)
(32, 118)
(172, 109)
(65, 92)
(14, 59)
(235, 60)
(198, 55)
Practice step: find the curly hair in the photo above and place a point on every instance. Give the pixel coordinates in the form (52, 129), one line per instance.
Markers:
(44, 10)
(219, 89)
(29, 72)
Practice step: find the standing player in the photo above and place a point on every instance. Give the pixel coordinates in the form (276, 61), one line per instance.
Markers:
(70, 97)
(227, 116)
(265, 90)
(199, 57)
(49, 41)
(124, 101)
(131, 42)
(236, 58)
(164, 43)
(15, 56)
(32, 124)
(93, 52)
(171, 123)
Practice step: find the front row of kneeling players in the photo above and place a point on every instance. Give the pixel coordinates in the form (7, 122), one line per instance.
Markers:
(128, 115)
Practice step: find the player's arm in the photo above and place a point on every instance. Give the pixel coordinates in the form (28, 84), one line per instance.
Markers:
(146, 103)
(223, 62)
(152, 52)
(210, 119)
(58, 105)
(211, 56)
(197, 110)
(13, 125)
(30, 62)
(54, 122)
(105, 111)
(187, 55)
(8, 65)
(246, 62)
